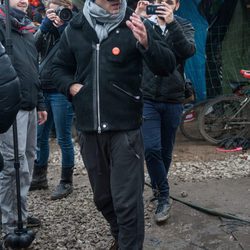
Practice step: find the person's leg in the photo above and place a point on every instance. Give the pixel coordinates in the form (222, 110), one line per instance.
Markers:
(39, 178)
(170, 121)
(63, 117)
(7, 176)
(127, 183)
(31, 140)
(94, 151)
(43, 132)
(152, 143)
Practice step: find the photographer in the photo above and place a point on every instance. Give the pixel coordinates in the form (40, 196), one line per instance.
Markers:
(163, 97)
(59, 109)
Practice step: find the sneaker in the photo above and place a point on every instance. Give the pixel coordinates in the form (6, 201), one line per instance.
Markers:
(33, 222)
(162, 212)
(62, 191)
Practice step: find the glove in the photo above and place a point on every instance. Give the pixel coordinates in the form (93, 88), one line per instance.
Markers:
(46, 25)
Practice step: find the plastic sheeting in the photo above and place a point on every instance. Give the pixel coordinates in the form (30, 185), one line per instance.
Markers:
(196, 66)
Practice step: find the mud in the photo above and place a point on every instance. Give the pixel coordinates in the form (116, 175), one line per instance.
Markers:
(190, 229)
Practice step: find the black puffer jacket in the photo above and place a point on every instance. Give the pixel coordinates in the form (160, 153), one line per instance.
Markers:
(111, 98)
(25, 62)
(9, 92)
(180, 37)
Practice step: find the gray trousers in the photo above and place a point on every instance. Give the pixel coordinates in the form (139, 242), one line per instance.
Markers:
(26, 127)
(114, 161)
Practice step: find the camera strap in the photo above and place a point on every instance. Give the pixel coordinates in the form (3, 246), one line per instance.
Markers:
(48, 57)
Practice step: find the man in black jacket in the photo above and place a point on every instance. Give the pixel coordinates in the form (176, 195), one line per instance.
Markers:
(98, 66)
(25, 64)
(163, 97)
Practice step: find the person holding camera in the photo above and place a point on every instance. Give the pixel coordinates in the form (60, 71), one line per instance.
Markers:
(163, 97)
(60, 111)
(32, 110)
(98, 67)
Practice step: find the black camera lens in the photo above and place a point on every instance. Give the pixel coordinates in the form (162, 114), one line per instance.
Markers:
(65, 14)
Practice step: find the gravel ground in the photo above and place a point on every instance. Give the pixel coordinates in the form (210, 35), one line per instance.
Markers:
(74, 223)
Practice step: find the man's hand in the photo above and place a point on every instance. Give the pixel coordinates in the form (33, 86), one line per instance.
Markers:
(165, 13)
(141, 8)
(139, 30)
(42, 117)
(75, 88)
(51, 14)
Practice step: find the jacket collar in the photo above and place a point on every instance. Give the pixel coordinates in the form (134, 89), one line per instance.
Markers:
(80, 22)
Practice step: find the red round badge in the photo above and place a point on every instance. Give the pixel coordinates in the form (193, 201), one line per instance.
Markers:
(116, 51)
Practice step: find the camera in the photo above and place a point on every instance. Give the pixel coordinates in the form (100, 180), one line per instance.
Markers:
(65, 14)
(151, 9)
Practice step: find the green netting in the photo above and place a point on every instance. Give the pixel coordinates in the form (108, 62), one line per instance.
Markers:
(236, 47)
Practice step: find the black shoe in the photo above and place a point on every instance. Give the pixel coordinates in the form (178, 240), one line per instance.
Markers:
(62, 191)
(114, 245)
(33, 222)
(162, 212)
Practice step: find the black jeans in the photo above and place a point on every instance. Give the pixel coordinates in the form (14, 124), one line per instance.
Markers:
(114, 161)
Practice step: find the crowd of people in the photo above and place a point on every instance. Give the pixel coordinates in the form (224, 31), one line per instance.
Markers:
(121, 73)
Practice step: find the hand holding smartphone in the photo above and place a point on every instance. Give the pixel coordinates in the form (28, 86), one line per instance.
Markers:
(151, 9)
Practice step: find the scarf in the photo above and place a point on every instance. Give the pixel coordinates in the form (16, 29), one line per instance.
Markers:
(102, 21)
(19, 21)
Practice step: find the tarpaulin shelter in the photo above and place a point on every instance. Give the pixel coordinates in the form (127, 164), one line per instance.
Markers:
(196, 66)
(222, 40)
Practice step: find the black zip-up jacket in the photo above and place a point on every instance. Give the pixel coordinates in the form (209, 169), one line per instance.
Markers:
(111, 98)
(25, 63)
(9, 92)
(180, 37)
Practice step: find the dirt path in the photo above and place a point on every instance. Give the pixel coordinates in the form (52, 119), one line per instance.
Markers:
(74, 223)
(190, 229)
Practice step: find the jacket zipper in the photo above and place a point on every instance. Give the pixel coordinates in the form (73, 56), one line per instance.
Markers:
(98, 87)
(136, 97)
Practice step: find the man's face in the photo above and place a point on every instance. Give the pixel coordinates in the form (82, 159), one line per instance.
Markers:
(175, 4)
(113, 7)
(19, 4)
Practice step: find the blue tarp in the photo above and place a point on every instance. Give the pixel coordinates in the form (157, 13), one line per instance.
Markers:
(195, 66)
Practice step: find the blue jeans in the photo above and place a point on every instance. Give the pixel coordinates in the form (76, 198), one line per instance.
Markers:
(61, 113)
(161, 121)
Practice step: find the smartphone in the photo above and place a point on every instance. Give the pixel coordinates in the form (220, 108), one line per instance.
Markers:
(150, 9)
